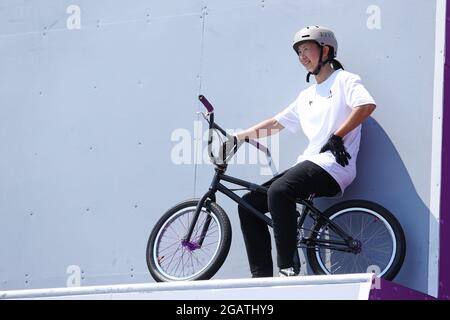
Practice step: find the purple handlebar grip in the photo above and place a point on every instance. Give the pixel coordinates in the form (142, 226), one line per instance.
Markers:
(206, 103)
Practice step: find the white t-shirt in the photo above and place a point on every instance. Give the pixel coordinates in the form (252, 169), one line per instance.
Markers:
(320, 110)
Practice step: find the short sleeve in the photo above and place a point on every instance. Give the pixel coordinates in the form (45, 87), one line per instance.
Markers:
(355, 93)
(288, 118)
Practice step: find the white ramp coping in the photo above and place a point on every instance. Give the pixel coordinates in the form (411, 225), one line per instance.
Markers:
(321, 287)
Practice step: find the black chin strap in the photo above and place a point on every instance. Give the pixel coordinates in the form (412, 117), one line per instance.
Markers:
(319, 66)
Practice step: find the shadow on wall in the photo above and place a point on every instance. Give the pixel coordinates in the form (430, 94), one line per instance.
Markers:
(383, 178)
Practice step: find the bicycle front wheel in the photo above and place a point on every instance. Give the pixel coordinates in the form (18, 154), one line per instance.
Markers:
(380, 241)
(171, 258)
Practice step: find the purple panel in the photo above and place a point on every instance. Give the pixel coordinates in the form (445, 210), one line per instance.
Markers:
(392, 291)
(444, 256)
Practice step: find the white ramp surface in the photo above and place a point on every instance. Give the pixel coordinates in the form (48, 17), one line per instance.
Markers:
(327, 287)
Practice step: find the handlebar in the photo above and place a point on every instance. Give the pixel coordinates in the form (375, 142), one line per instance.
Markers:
(212, 125)
(206, 103)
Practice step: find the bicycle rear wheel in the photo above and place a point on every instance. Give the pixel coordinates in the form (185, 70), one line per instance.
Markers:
(381, 242)
(171, 258)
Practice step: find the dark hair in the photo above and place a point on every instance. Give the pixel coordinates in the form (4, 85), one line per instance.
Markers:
(336, 65)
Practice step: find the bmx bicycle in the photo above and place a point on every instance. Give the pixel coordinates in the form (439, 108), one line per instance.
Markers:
(192, 239)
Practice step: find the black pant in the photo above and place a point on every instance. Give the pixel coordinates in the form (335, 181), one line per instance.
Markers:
(300, 181)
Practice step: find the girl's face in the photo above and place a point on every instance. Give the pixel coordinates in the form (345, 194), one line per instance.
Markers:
(308, 54)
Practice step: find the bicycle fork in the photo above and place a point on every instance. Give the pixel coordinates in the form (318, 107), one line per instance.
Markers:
(193, 244)
(197, 243)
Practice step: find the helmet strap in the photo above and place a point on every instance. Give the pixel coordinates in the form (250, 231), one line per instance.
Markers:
(319, 66)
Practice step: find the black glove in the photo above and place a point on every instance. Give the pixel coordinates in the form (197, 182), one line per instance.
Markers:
(336, 145)
(229, 147)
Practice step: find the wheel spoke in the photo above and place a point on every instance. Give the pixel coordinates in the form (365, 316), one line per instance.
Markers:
(170, 246)
(377, 240)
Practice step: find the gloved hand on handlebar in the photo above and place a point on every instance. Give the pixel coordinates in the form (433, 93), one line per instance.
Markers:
(335, 144)
(229, 147)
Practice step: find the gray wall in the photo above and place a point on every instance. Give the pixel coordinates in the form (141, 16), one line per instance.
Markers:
(89, 119)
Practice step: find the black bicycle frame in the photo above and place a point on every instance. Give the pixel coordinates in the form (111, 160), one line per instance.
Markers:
(216, 185)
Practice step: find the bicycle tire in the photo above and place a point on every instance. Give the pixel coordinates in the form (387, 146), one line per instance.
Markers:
(378, 214)
(219, 217)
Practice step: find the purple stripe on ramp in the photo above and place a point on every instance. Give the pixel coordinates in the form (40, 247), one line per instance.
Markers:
(444, 251)
(392, 291)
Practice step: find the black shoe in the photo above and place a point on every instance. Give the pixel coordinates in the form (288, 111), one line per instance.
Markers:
(262, 274)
